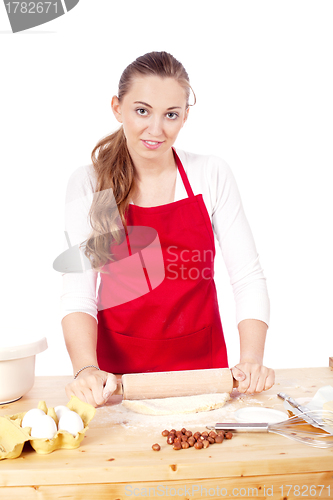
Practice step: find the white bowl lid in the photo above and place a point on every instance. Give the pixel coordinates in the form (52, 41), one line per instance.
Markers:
(257, 414)
(23, 350)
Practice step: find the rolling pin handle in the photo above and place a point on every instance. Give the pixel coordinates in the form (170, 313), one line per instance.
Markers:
(119, 388)
(238, 373)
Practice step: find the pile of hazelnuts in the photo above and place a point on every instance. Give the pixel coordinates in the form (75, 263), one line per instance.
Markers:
(186, 439)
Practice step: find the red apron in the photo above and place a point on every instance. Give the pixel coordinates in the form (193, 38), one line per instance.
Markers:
(177, 325)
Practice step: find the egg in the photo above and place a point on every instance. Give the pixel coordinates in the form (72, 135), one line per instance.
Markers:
(60, 410)
(71, 422)
(31, 417)
(44, 427)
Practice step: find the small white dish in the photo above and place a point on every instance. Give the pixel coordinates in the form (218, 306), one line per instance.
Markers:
(257, 414)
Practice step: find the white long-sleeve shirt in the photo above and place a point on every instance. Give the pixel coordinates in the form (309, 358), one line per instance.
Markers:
(208, 175)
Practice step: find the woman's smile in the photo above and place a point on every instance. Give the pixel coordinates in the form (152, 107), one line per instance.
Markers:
(151, 144)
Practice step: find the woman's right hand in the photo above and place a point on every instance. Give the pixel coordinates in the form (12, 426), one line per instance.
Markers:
(92, 386)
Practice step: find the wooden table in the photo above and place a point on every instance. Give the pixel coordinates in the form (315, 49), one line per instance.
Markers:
(114, 462)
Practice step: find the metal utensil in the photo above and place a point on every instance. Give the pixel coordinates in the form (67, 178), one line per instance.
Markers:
(304, 411)
(295, 428)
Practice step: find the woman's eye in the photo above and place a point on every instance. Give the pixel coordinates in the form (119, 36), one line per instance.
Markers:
(172, 116)
(141, 111)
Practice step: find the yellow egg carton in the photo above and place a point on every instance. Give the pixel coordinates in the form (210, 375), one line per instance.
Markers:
(13, 437)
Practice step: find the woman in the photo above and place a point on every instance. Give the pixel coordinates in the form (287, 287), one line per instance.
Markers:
(185, 198)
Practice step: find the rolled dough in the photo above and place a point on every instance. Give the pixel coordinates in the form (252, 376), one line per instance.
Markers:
(172, 406)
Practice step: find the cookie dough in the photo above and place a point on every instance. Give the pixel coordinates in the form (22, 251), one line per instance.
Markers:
(172, 406)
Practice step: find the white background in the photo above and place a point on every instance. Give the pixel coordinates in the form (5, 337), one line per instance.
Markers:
(262, 73)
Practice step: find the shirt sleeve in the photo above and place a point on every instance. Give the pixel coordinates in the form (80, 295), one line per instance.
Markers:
(236, 241)
(79, 289)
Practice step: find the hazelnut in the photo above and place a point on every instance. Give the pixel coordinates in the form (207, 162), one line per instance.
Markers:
(156, 447)
(170, 439)
(191, 441)
(184, 439)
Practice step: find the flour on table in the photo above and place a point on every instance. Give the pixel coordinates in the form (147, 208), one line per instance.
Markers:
(176, 405)
(114, 413)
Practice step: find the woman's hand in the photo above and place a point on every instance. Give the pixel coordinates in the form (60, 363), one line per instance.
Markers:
(253, 377)
(93, 386)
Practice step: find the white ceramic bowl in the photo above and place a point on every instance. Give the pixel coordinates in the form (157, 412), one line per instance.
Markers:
(17, 369)
(257, 414)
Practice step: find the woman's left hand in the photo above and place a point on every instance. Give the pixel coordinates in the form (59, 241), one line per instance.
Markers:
(253, 377)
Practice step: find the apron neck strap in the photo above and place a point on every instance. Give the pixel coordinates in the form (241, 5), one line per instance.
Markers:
(186, 183)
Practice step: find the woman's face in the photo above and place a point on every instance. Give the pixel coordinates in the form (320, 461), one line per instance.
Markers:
(152, 114)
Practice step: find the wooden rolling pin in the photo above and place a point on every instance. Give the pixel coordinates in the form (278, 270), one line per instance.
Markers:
(154, 385)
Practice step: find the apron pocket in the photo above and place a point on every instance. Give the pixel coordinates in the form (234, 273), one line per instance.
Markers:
(127, 354)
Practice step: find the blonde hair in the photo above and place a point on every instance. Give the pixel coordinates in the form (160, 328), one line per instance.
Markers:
(113, 165)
